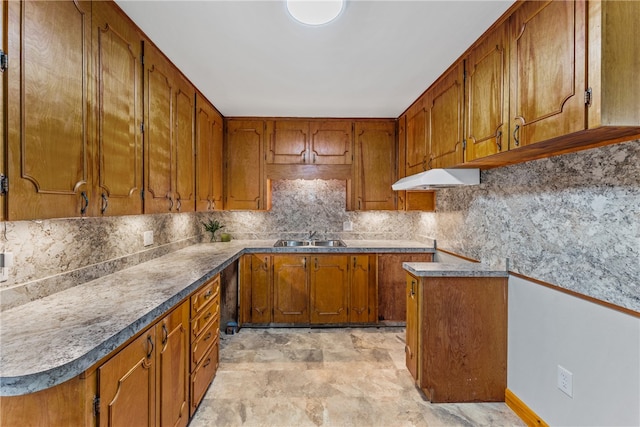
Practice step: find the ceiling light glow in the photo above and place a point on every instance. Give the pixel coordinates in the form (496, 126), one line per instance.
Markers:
(315, 12)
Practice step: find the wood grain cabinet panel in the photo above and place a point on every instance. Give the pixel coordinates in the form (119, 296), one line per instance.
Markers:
(375, 165)
(412, 328)
(548, 64)
(290, 289)
(3, 136)
(331, 142)
(184, 163)
(245, 184)
(444, 117)
(209, 156)
(362, 289)
(417, 151)
(288, 142)
(117, 50)
(48, 109)
(256, 293)
(487, 96)
(329, 290)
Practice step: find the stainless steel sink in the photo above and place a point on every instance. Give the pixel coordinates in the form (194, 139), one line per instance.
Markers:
(333, 243)
(322, 243)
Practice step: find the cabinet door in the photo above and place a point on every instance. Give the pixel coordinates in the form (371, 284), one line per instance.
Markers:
(3, 146)
(411, 347)
(375, 165)
(256, 293)
(289, 142)
(487, 96)
(290, 289)
(329, 289)
(444, 109)
(127, 385)
(362, 299)
(48, 158)
(208, 146)
(117, 49)
(416, 148)
(244, 172)
(173, 364)
(331, 142)
(159, 127)
(547, 59)
(392, 302)
(184, 163)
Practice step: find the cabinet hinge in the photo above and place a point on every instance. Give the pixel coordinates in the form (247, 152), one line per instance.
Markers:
(464, 144)
(4, 184)
(4, 61)
(96, 405)
(588, 94)
(142, 127)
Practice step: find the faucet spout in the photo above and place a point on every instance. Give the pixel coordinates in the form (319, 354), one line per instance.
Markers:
(311, 234)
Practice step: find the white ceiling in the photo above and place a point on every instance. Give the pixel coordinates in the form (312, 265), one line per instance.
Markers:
(250, 58)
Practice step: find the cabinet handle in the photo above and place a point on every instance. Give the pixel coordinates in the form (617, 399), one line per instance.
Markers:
(316, 260)
(258, 204)
(170, 203)
(207, 337)
(207, 294)
(265, 265)
(413, 290)
(314, 157)
(208, 204)
(213, 205)
(354, 263)
(179, 204)
(150, 347)
(85, 204)
(499, 140)
(165, 334)
(207, 363)
(515, 135)
(105, 202)
(304, 262)
(208, 315)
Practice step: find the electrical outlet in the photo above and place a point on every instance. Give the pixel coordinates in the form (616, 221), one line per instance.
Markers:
(347, 226)
(565, 381)
(148, 238)
(6, 262)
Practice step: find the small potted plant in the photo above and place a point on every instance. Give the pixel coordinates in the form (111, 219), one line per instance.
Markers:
(212, 226)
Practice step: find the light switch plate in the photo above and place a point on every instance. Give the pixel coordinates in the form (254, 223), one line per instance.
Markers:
(347, 226)
(148, 238)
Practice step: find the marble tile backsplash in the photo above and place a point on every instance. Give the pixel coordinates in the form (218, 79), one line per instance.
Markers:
(571, 220)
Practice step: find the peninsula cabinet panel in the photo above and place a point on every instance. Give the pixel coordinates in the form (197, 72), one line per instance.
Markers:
(375, 165)
(48, 109)
(392, 302)
(329, 289)
(412, 328)
(117, 49)
(245, 186)
(209, 156)
(487, 96)
(444, 110)
(331, 142)
(547, 72)
(290, 289)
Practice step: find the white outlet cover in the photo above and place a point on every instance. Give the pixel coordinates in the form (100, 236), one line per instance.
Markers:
(347, 226)
(565, 381)
(148, 238)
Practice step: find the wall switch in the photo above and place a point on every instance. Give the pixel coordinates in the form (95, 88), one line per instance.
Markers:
(148, 238)
(347, 226)
(6, 262)
(565, 381)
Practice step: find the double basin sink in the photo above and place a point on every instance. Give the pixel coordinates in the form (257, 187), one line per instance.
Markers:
(322, 243)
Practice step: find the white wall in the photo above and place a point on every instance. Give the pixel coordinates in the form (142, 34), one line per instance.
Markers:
(600, 346)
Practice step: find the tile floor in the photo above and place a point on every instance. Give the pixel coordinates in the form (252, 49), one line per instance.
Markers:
(327, 377)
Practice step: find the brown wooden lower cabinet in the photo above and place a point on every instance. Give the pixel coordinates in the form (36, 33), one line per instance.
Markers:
(305, 289)
(392, 302)
(150, 381)
(460, 341)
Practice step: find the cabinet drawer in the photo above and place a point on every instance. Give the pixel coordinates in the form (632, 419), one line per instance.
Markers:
(209, 314)
(201, 345)
(203, 375)
(207, 293)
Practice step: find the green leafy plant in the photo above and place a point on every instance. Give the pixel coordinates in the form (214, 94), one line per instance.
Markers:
(212, 226)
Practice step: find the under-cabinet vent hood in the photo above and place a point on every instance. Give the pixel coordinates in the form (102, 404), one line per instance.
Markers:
(438, 178)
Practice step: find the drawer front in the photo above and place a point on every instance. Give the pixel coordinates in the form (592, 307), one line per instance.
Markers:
(201, 345)
(210, 314)
(203, 375)
(210, 291)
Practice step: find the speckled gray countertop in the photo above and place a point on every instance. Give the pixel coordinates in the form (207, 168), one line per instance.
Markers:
(46, 342)
(441, 269)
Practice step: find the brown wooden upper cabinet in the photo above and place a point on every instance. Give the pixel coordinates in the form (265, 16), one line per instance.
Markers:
(209, 156)
(487, 95)
(444, 117)
(3, 46)
(49, 161)
(245, 185)
(416, 149)
(169, 136)
(117, 49)
(375, 165)
(320, 142)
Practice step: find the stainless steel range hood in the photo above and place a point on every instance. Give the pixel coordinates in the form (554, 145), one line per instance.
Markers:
(438, 178)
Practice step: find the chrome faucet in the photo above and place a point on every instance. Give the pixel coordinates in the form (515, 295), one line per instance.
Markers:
(311, 234)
